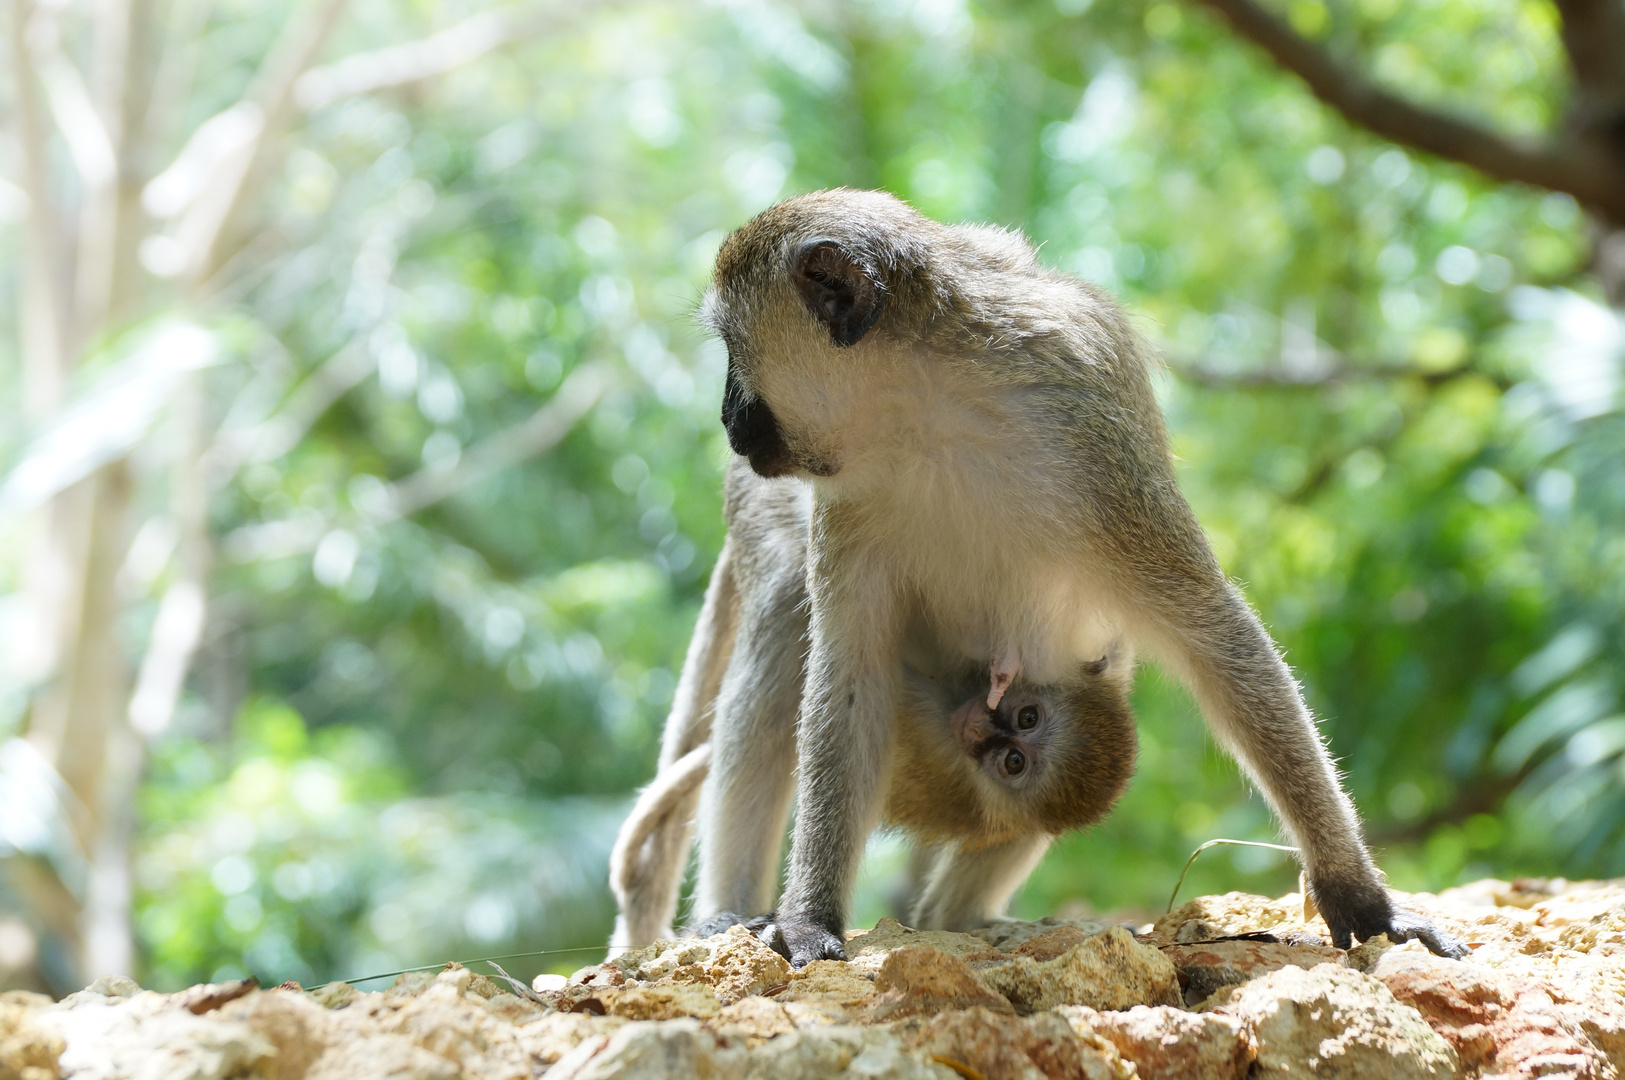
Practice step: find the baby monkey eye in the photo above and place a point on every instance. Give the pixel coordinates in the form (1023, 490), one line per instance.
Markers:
(1015, 763)
(1027, 718)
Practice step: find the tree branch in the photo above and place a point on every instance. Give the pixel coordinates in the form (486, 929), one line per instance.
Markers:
(545, 429)
(531, 438)
(397, 65)
(1575, 168)
(1195, 370)
(264, 110)
(1594, 37)
(44, 315)
(414, 61)
(90, 145)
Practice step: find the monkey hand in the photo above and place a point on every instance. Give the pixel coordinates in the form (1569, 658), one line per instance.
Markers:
(1365, 912)
(801, 941)
(1409, 926)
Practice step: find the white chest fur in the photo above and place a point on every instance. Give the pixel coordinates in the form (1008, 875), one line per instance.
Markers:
(959, 514)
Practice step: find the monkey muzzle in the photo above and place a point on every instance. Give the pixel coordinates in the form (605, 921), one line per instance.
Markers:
(753, 430)
(756, 435)
(974, 724)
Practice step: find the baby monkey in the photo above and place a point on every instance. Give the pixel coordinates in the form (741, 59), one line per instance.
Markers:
(1038, 761)
(980, 791)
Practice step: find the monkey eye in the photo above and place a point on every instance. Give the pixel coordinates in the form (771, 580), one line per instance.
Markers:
(1027, 718)
(1015, 763)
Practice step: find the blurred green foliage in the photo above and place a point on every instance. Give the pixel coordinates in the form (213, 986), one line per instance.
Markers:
(1393, 390)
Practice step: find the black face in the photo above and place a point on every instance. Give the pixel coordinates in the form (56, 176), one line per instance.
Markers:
(753, 430)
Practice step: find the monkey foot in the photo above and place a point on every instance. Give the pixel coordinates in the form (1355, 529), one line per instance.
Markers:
(1004, 670)
(802, 942)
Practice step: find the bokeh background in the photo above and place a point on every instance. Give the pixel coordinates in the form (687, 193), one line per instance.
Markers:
(359, 463)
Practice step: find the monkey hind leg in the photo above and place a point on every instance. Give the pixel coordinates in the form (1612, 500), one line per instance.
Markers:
(906, 896)
(968, 889)
(747, 798)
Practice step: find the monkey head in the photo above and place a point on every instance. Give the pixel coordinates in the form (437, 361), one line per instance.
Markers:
(1057, 756)
(798, 296)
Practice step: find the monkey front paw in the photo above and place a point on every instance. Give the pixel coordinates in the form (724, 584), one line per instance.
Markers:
(1364, 912)
(1410, 926)
(802, 942)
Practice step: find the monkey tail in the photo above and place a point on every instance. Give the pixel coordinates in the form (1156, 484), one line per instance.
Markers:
(646, 864)
(642, 868)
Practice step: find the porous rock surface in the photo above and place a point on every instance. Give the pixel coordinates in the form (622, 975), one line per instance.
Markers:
(1224, 987)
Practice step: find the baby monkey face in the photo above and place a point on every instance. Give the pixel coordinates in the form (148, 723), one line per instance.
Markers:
(1008, 739)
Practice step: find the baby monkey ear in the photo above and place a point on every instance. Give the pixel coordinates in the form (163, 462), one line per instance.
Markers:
(838, 291)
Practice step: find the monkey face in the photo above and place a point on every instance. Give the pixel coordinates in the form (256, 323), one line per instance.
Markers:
(795, 290)
(786, 359)
(1008, 741)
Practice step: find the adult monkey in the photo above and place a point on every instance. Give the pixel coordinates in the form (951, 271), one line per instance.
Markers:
(989, 476)
(982, 775)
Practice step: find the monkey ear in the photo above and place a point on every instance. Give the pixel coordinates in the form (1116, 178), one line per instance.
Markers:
(838, 291)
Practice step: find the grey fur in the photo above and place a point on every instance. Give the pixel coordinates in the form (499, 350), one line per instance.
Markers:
(977, 828)
(988, 475)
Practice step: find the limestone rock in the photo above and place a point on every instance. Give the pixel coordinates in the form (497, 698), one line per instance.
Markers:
(1052, 942)
(1109, 970)
(1330, 1021)
(150, 1037)
(755, 1019)
(334, 995)
(919, 980)
(733, 965)
(741, 965)
(1543, 994)
(843, 1050)
(1603, 1022)
(662, 1002)
(552, 1035)
(1501, 1024)
(1010, 934)
(675, 1050)
(1166, 1043)
(835, 990)
(382, 1057)
(1596, 930)
(450, 1019)
(117, 986)
(290, 1021)
(1031, 1048)
(1209, 917)
(867, 951)
(27, 1050)
(1205, 968)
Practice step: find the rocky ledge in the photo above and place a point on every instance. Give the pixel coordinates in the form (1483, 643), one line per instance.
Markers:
(1224, 987)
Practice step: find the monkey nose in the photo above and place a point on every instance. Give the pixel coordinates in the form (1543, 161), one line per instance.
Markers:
(973, 725)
